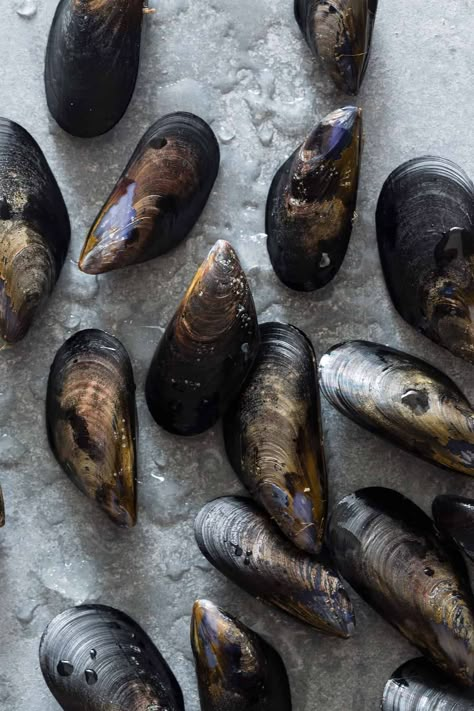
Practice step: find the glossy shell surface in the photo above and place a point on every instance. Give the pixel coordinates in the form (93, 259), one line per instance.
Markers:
(207, 349)
(388, 550)
(403, 399)
(312, 200)
(418, 686)
(34, 231)
(273, 435)
(96, 658)
(242, 542)
(454, 517)
(92, 60)
(158, 197)
(236, 669)
(340, 33)
(425, 232)
(91, 420)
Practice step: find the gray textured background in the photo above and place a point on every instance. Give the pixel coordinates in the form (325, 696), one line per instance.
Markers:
(244, 67)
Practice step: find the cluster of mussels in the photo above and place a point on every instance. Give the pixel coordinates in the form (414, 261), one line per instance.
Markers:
(214, 360)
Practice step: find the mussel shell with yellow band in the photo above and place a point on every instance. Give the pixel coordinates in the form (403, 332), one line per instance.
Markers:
(207, 349)
(312, 200)
(34, 231)
(91, 421)
(389, 551)
(403, 399)
(159, 196)
(236, 669)
(273, 435)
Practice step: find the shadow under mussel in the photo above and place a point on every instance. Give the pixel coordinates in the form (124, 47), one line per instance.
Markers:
(34, 231)
(92, 61)
(91, 421)
(236, 669)
(208, 347)
(389, 551)
(425, 232)
(242, 542)
(273, 435)
(97, 658)
(311, 203)
(403, 399)
(159, 196)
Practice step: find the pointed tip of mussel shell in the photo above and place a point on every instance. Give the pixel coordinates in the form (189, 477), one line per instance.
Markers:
(454, 517)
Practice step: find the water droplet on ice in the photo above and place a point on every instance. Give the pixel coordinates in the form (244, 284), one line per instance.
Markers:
(26, 8)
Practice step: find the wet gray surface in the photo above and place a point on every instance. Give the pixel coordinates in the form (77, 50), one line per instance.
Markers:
(249, 72)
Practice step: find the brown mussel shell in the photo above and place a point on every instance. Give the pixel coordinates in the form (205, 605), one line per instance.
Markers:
(339, 32)
(425, 232)
(388, 550)
(236, 669)
(92, 61)
(96, 658)
(403, 399)
(242, 542)
(207, 349)
(454, 517)
(418, 686)
(91, 421)
(273, 435)
(312, 200)
(159, 196)
(34, 231)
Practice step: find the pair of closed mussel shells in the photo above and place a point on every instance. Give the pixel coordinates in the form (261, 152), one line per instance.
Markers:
(98, 658)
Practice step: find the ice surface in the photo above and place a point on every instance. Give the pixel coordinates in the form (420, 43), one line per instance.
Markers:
(243, 66)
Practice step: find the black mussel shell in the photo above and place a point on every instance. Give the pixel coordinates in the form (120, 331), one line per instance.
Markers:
(339, 32)
(91, 421)
(2, 509)
(242, 542)
(92, 62)
(425, 232)
(454, 517)
(236, 669)
(418, 686)
(390, 553)
(207, 349)
(273, 435)
(403, 399)
(312, 200)
(34, 230)
(159, 196)
(96, 658)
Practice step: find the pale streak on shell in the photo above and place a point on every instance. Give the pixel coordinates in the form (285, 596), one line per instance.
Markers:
(418, 686)
(91, 421)
(236, 669)
(131, 674)
(207, 349)
(403, 399)
(273, 435)
(389, 552)
(243, 544)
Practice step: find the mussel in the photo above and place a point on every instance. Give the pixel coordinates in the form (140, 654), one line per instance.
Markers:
(236, 669)
(97, 658)
(159, 196)
(273, 435)
(418, 686)
(91, 421)
(34, 230)
(207, 349)
(92, 62)
(312, 200)
(425, 232)
(454, 517)
(389, 551)
(340, 33)
(403, 399)
(243, 543)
